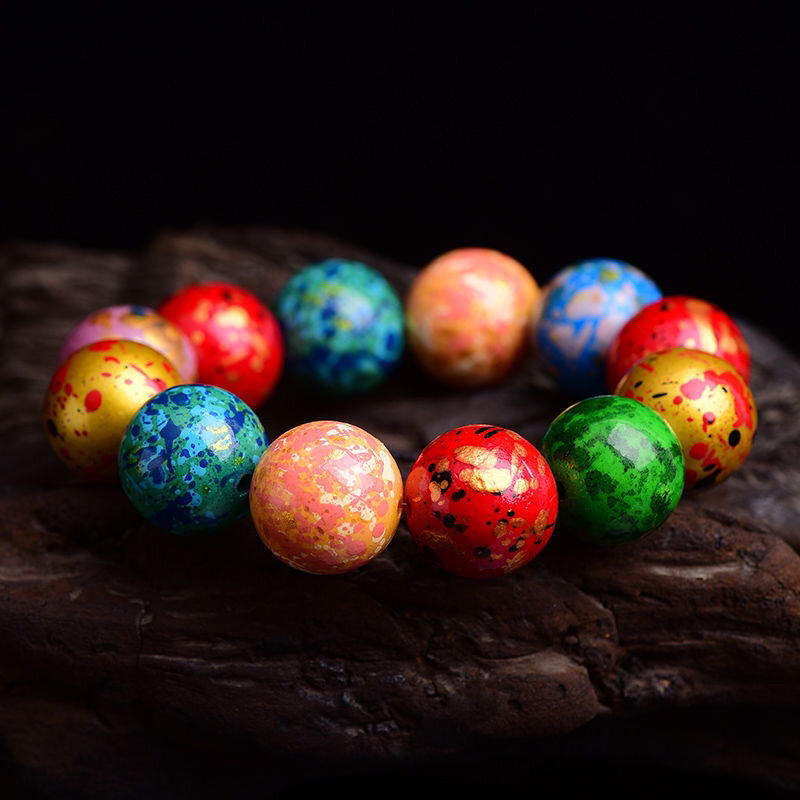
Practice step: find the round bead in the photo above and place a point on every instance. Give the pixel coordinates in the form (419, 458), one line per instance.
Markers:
(326, 497)
(619, 468)
(469, 316)
(481, 500)
(236, 338)
(585, 306)
(136, 324)
(186, 459)
(677, 321)
(706, 403)
(92, 397)
(343, 325)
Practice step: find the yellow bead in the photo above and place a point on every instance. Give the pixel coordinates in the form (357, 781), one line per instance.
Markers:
(705, 401)
(92, 397)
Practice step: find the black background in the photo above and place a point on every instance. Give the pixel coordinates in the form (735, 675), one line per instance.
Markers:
(666, 138)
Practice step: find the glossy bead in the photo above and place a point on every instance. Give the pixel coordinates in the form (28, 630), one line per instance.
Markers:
(706, 403)
(585, 306)
(187, 457)
(135, 324)
(619, 468)
(481, 500)
(326, 497)
(677, 321)
(92, 397)
(343, 325)
(236, 338)
(469, 315)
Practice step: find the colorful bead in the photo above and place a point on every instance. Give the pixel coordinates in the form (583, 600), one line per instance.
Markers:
(236, 338)
(187, 457)
(677, 321)
(135, 324)
(92, 397)
(706, 403)
(343, 325)
(481, 500)
(584, 308)
(326, 497)
(469, 315)
(619, 468)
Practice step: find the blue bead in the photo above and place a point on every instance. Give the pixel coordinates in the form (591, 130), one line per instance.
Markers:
(585, 306)
(186, 458)
(342, 325)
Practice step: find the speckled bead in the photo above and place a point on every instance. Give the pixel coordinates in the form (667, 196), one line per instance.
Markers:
(92, 397)
(706, 403)
(343, 326)
(469, 316)
(235, 336)
(135, 324)
(584, 308)
(619, 469)
(326, 497)
(481, 501)
(187, 457)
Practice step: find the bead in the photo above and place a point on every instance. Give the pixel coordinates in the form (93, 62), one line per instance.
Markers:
(92, 397)
(135, 324)
(585, 306)
(187, 456)
(236, 338)
(469, 315)
(481, 500)
(619, 468)
(677, 321)
(343, 325)
(706, 403)
(326, 497)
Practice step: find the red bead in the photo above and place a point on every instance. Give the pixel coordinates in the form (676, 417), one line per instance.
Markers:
(237, 339)
(677, 321)
(481, 500)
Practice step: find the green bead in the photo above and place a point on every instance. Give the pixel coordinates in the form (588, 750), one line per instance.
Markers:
(618, 466)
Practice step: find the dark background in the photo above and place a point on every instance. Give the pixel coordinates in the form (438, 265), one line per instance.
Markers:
(667, 138)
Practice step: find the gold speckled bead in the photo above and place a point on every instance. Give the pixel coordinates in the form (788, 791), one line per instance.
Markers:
(326, 497)
(705, 401)
(469, 316)
(93, 396)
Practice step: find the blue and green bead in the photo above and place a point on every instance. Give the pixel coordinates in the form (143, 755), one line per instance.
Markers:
(187, 457)
(342, 324)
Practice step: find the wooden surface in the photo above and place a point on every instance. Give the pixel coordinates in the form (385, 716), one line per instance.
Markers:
(134, 663)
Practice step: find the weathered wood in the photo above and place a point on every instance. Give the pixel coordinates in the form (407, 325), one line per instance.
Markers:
(133, 663)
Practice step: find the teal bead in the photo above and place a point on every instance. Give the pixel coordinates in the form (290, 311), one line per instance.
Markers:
(618, 466)
(343, 325)
(187, 456)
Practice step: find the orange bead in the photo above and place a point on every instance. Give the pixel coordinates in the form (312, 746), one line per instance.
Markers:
(326, 497)
(469, 316)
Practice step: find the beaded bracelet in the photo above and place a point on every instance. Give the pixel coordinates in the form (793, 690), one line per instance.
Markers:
(326, 497)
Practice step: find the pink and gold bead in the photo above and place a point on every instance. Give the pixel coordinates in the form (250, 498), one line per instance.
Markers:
(469, 315)
(135, 324)
(326, 497)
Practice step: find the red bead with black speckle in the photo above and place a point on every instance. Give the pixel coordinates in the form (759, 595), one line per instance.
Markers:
(677, 321)
(481, 500)
(237, 339)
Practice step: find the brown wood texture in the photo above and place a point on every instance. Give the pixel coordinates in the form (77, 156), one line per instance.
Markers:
(134, 663)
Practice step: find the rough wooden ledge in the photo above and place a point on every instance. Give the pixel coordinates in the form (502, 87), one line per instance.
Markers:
(137, 664)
